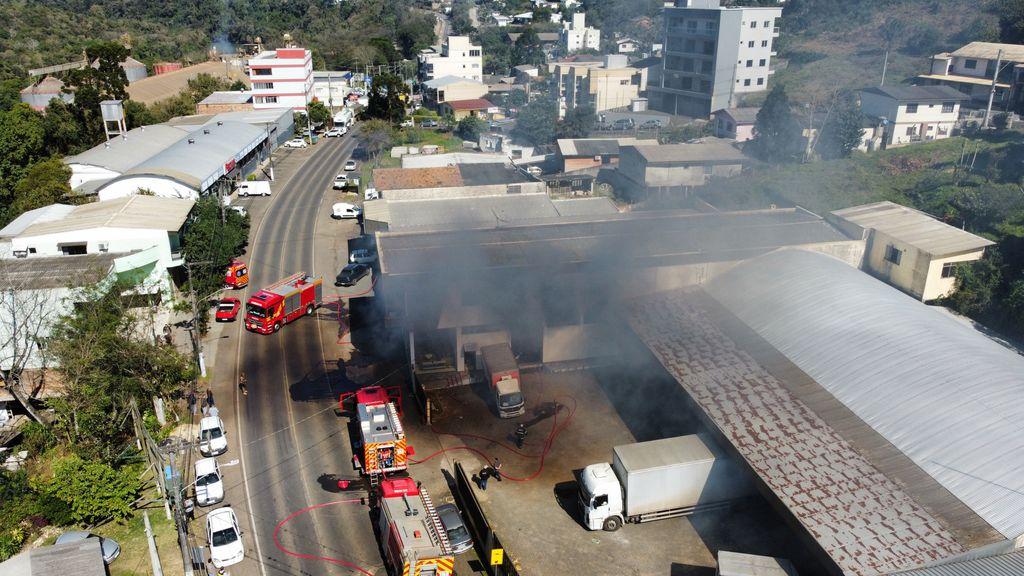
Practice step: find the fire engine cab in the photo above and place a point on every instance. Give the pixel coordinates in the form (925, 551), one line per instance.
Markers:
(382, 448)
(285, 300)
(412, 537)
(237, 275)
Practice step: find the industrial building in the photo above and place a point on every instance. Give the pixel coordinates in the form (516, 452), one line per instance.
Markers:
(182, 158)
(879, 428)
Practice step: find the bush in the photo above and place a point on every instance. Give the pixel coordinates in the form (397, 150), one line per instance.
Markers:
(10, 542)
(92, 491)
(36, 438)
(1001, 121)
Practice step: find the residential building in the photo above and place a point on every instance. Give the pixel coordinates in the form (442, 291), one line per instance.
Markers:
(910, 249)
(440, 90)
(736, 123)
(282, 78)
(501, 20)
(679, 167)
(475, 107)
(626, 46)
(907, 114)
(458, 57)
(970, 70)
(332, 87)
(576, 35)
(713, 55)
(585, 153)
(226, 101)
(38, 95)
(603, 85)
(526, 73)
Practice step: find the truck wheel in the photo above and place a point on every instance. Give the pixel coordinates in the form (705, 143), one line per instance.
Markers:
(309, 310)
(612, 524)
(277, 326)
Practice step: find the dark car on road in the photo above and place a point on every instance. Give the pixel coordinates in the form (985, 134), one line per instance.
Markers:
(623, 124)
(351, 274)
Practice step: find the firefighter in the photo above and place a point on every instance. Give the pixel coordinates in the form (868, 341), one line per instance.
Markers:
(191, 399)
(520, 435)
(243, 384)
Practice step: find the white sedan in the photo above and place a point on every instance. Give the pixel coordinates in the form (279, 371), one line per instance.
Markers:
(343, 210)
(336, 132)
(224, 537)
(296, 143)
(340, 181)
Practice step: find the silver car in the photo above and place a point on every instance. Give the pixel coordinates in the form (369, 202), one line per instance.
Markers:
(111, 549)
(458, 536)
(362, 256)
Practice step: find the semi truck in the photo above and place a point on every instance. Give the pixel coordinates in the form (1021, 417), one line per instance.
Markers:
(412, 536)
(283, 301)
(382, 447)
(654, 480)
(502, 373)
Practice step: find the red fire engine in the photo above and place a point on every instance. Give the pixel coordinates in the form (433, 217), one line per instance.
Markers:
(237, 275)
(383, 448)
(284, 301)
(411, 534)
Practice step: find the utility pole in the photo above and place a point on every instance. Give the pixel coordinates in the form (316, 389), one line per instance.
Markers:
(885, 66)
(992, 91)
(154, 558)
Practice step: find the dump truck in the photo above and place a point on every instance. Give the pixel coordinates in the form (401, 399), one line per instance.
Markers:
(412, 536)
(654, 480)
(502, 373)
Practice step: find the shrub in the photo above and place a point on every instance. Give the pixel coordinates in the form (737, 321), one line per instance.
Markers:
(1001, 121)
(92, 491)
(36, 438)
(10, 542)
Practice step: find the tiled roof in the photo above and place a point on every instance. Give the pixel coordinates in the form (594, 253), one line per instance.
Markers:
(473, 104)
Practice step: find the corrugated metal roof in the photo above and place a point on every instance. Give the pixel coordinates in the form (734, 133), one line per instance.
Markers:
(228, 97)
(1011, 564)
(44, 214)
(57, 271)
(121, 153)
(592, 146)
(747, 115)
(81, 558)
(135, 211)
(945, 395)
(918, 93)
(467, 213)
(449, 80)
(713, 151)
(913, 227)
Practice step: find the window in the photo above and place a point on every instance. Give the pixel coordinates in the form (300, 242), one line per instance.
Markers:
(600, 500)
(970, 63)
(750, 63)
(893, 254)
(691, 25)
(691, 45)
(949, 270)
(474, 52)
(31, 249)
(688, 64)
(746, 82)
(911, 108)
(708, 170)
(686, 83)
(710, 26)
(706, 66)
(262, 71)
(72, 249)
(764, 43)
(623, 82)
(947, 107)
(750, 44)
(762, 62)
(753, 24)
(760, 81)
(911, 130)
(767, 23)
(709, 47)
(705, 86)
(263, 85)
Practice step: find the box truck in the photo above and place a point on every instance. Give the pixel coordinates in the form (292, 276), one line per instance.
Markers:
(654, 480)
(502, 373)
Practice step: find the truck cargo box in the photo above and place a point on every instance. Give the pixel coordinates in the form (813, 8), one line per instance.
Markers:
(665, 474)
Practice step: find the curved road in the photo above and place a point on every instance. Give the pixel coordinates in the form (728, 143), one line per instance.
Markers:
(289, 433)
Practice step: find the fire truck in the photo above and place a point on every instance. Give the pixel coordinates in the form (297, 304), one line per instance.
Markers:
(412, 537)
(237, 275)
(382, 446)
(282, 302)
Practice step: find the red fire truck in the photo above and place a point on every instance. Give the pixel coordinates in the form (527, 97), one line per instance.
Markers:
(411, 534)
(237, 275)
(382, 445)
(284, 301)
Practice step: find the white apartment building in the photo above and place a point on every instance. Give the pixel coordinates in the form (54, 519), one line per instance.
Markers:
(713, 55)
(610, 83)
(908, 114)
(458, 57)
(577, 36)
(332, 87)
(281, 78)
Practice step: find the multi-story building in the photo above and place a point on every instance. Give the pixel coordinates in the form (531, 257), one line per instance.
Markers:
(332, 87)
(603, 85)
(712, 56)
(907, 114)
(458, 57)
(281, 78)
(971, 68)
(576, 35)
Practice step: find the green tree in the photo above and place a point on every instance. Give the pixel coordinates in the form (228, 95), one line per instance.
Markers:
(209, 245)
(10, 92)
(378, 135)
(22, 143)
(497, 51)
(63, 133)
(537, 121)
(776, 131)
(105, 80)
(318, 113)
(578, 123)
(1011, 21)
(164, 110)
(386, 99)
(977, 284)
(527, 49)
(138, 114)
(45, 183)
(93, 491)
(238, 86)
(516, 98)
(842, 131)
(203, 85)
(386, 49)
(470, 127)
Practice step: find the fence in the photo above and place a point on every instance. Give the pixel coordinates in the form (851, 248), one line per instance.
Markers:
(484, 539)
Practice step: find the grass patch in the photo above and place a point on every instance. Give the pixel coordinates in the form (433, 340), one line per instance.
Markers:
(131, 535)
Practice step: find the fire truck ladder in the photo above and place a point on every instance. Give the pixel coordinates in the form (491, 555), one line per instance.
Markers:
(437, 530)
(288, 280)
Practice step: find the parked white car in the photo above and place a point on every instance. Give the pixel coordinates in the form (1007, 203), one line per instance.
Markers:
(363, 256)
(296, 143)
(254, 188)
(343, 210)
(213, 439)
(209, 482)
(340, 181)
(336, 132)
(350, 166)
(224, 537)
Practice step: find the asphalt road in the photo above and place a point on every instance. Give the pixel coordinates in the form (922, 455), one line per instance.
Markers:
(289, 436)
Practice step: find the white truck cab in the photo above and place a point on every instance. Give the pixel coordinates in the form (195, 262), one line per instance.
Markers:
(601, 497)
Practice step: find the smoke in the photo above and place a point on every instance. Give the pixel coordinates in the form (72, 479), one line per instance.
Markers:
(222, 45)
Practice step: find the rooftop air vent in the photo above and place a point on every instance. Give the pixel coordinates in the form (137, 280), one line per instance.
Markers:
(220, 123)
(206, 130)
(191, 140)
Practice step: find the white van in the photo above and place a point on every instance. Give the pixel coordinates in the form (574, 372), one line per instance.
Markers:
(254, 188)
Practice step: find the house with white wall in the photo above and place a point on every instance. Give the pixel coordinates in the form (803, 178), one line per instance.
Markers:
(909, 114)
(331, 87)
(576, 35)
(282, 78)
(970, 70)
(458, 57)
